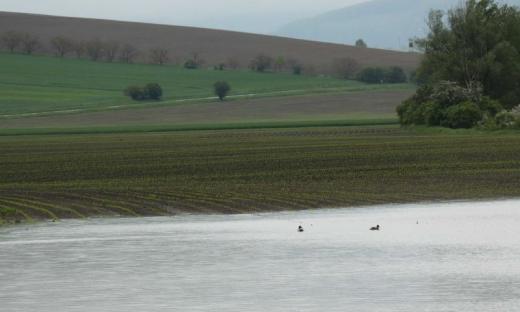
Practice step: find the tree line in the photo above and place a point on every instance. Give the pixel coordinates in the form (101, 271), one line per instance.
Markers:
(114, 51)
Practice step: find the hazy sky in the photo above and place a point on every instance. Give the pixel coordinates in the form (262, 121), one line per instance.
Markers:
(253, 15)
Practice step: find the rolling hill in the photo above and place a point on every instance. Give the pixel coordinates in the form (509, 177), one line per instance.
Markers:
(214, 46)
(384, 24)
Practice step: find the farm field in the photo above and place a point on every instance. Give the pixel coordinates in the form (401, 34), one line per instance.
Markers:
(361, 106)
(249, 171)
(40, 85)
(214, 46)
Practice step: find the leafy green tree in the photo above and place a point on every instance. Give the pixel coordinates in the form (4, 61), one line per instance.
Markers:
(477, 45)
(222, 89)
(360, 43)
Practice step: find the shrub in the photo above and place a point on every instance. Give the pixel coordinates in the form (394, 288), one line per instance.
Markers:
(433, 113)
(136, 93)
(505, 120)
(222, 89)
(465, 115)
(371, 75)
(191, 64)
(153, 91)
(395, 74)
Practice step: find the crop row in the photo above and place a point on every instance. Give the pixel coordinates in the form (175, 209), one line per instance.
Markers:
(250, 171)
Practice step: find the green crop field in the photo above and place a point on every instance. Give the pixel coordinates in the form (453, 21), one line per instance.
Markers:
(39, 84)
(249, 170)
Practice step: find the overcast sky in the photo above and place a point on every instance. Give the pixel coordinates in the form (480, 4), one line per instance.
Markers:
(261, 16)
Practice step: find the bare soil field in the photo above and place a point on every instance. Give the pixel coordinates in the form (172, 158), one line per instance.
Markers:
(214, 46)
(305, 107)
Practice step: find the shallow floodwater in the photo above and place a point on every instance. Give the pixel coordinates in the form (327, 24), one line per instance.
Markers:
(427, 257)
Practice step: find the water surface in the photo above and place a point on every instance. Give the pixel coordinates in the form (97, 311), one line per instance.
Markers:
(428, 257)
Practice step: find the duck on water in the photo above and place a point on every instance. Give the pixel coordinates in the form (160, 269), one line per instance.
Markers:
(375, 228)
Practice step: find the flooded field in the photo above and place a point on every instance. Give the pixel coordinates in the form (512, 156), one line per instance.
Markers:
(427, 257)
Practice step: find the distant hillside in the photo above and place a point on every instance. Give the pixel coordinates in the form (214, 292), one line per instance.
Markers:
(214, 46)
(384, 24)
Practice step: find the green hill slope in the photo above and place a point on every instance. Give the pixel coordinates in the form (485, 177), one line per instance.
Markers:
(40, 85)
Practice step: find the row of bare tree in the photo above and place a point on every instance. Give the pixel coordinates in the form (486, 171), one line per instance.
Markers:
(112, 51)
(95, 49)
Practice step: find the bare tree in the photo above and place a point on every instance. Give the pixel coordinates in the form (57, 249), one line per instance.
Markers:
(62, 46)
(95, 49)
(30, 43)
(233, 63)
(111, 48)
(295, 66)
(159, 56)
(345, 68)
(12, 40)
(197, 59)
(79, 48)
(128, 53)
(261, 63)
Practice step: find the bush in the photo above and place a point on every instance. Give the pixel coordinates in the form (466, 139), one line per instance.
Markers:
(151, 91)
(410, 113)
(465, 115)
(191, 64)
(433, 113)
(136, 93)
(371, 75)
(222, 89)
(395, 74)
